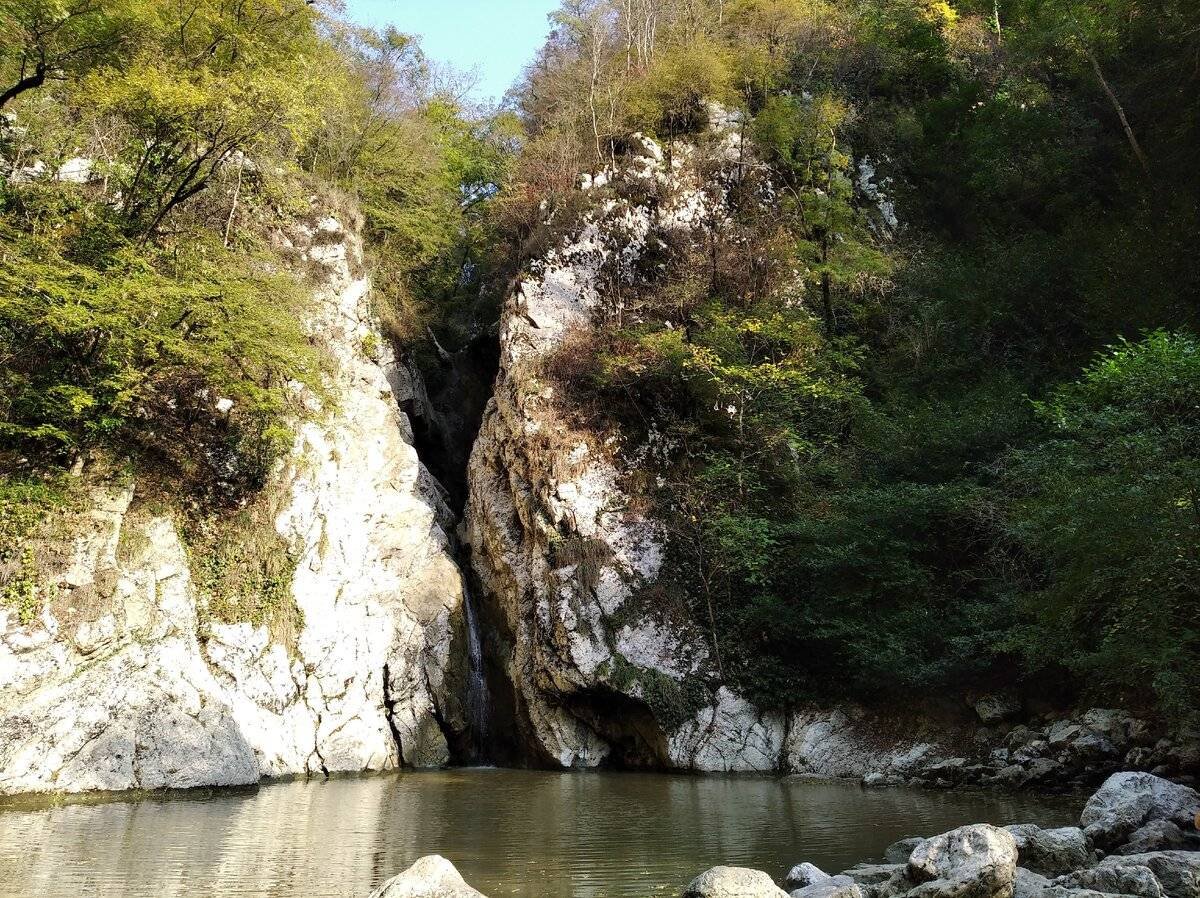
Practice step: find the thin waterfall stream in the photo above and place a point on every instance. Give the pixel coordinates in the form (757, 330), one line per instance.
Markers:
(478, 699)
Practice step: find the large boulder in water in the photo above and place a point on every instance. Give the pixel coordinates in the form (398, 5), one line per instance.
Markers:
(430, 877)
(733, 882)
(804, 875)
(1128, 801)
(1051, 852)
(978, 861)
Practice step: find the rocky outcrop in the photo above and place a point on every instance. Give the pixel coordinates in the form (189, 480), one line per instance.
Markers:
(430, 877)
(1129, 801)
(564, 556)
(125, 681)
(603, 668)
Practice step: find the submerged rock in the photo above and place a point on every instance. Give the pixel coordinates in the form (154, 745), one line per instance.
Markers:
(733, 882)
(901, 850)
(430, 877)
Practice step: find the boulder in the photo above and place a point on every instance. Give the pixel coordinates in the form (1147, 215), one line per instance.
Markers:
(804, 875)
(995, 708)
(1115, 879)
(899, 852)
(1127, 801)
(1157, 835)
(732, 882)
(978, 861)
(1028, 884)
(430, 877)
(1050, 852)
(1177, 871)
(833, 887)
(873, 874)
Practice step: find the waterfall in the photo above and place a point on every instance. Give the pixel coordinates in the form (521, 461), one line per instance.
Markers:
(478, 701)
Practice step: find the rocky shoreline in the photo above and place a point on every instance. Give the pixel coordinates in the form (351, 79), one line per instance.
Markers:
(1137, 836)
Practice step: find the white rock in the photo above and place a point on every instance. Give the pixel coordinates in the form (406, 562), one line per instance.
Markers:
(131, 697)
(1127, 801)
(733, 882)
(430, 877)
(978, 861)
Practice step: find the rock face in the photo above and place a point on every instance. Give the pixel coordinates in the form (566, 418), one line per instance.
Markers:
(123, 682)
(430, 877)
(563, 555)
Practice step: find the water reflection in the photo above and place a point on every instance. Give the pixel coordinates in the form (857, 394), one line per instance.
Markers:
(516, 833)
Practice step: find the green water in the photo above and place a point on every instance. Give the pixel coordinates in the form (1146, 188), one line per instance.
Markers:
(511, 833)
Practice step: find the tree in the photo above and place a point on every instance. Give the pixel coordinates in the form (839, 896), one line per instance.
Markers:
(53, 40)
(1110, 501)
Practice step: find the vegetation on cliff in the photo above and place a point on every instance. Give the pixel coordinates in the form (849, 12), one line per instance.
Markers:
(955, 450)
(154, 159)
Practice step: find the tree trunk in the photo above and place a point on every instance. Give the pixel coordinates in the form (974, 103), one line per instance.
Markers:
(1116, 104)
(37, 79)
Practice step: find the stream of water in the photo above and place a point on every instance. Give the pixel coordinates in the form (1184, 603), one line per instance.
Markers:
(510, 833)
(478, 701)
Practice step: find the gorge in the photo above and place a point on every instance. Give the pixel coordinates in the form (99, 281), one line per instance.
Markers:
(768, 434)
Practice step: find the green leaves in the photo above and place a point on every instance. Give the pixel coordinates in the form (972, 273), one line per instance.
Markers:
(1110, 501)
(139, 353)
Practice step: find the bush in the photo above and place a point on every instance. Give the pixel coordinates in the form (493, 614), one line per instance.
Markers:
(183, 356)
(1109, 501)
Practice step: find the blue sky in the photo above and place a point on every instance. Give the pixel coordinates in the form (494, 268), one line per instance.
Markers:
(495, 37)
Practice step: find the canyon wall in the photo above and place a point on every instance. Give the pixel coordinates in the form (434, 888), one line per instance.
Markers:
(602, 667)
(122, 680)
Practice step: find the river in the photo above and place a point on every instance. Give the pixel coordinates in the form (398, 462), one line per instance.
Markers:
(510, 833)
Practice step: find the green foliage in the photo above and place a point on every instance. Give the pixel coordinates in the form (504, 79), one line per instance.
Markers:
(135, 349)
(244, 571)
(1110, 500)
(49, 40)
(670, 99)
(25, 504)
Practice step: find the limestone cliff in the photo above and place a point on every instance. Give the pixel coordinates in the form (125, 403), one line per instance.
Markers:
(562, 552)
(123, 681)
(603, 667)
